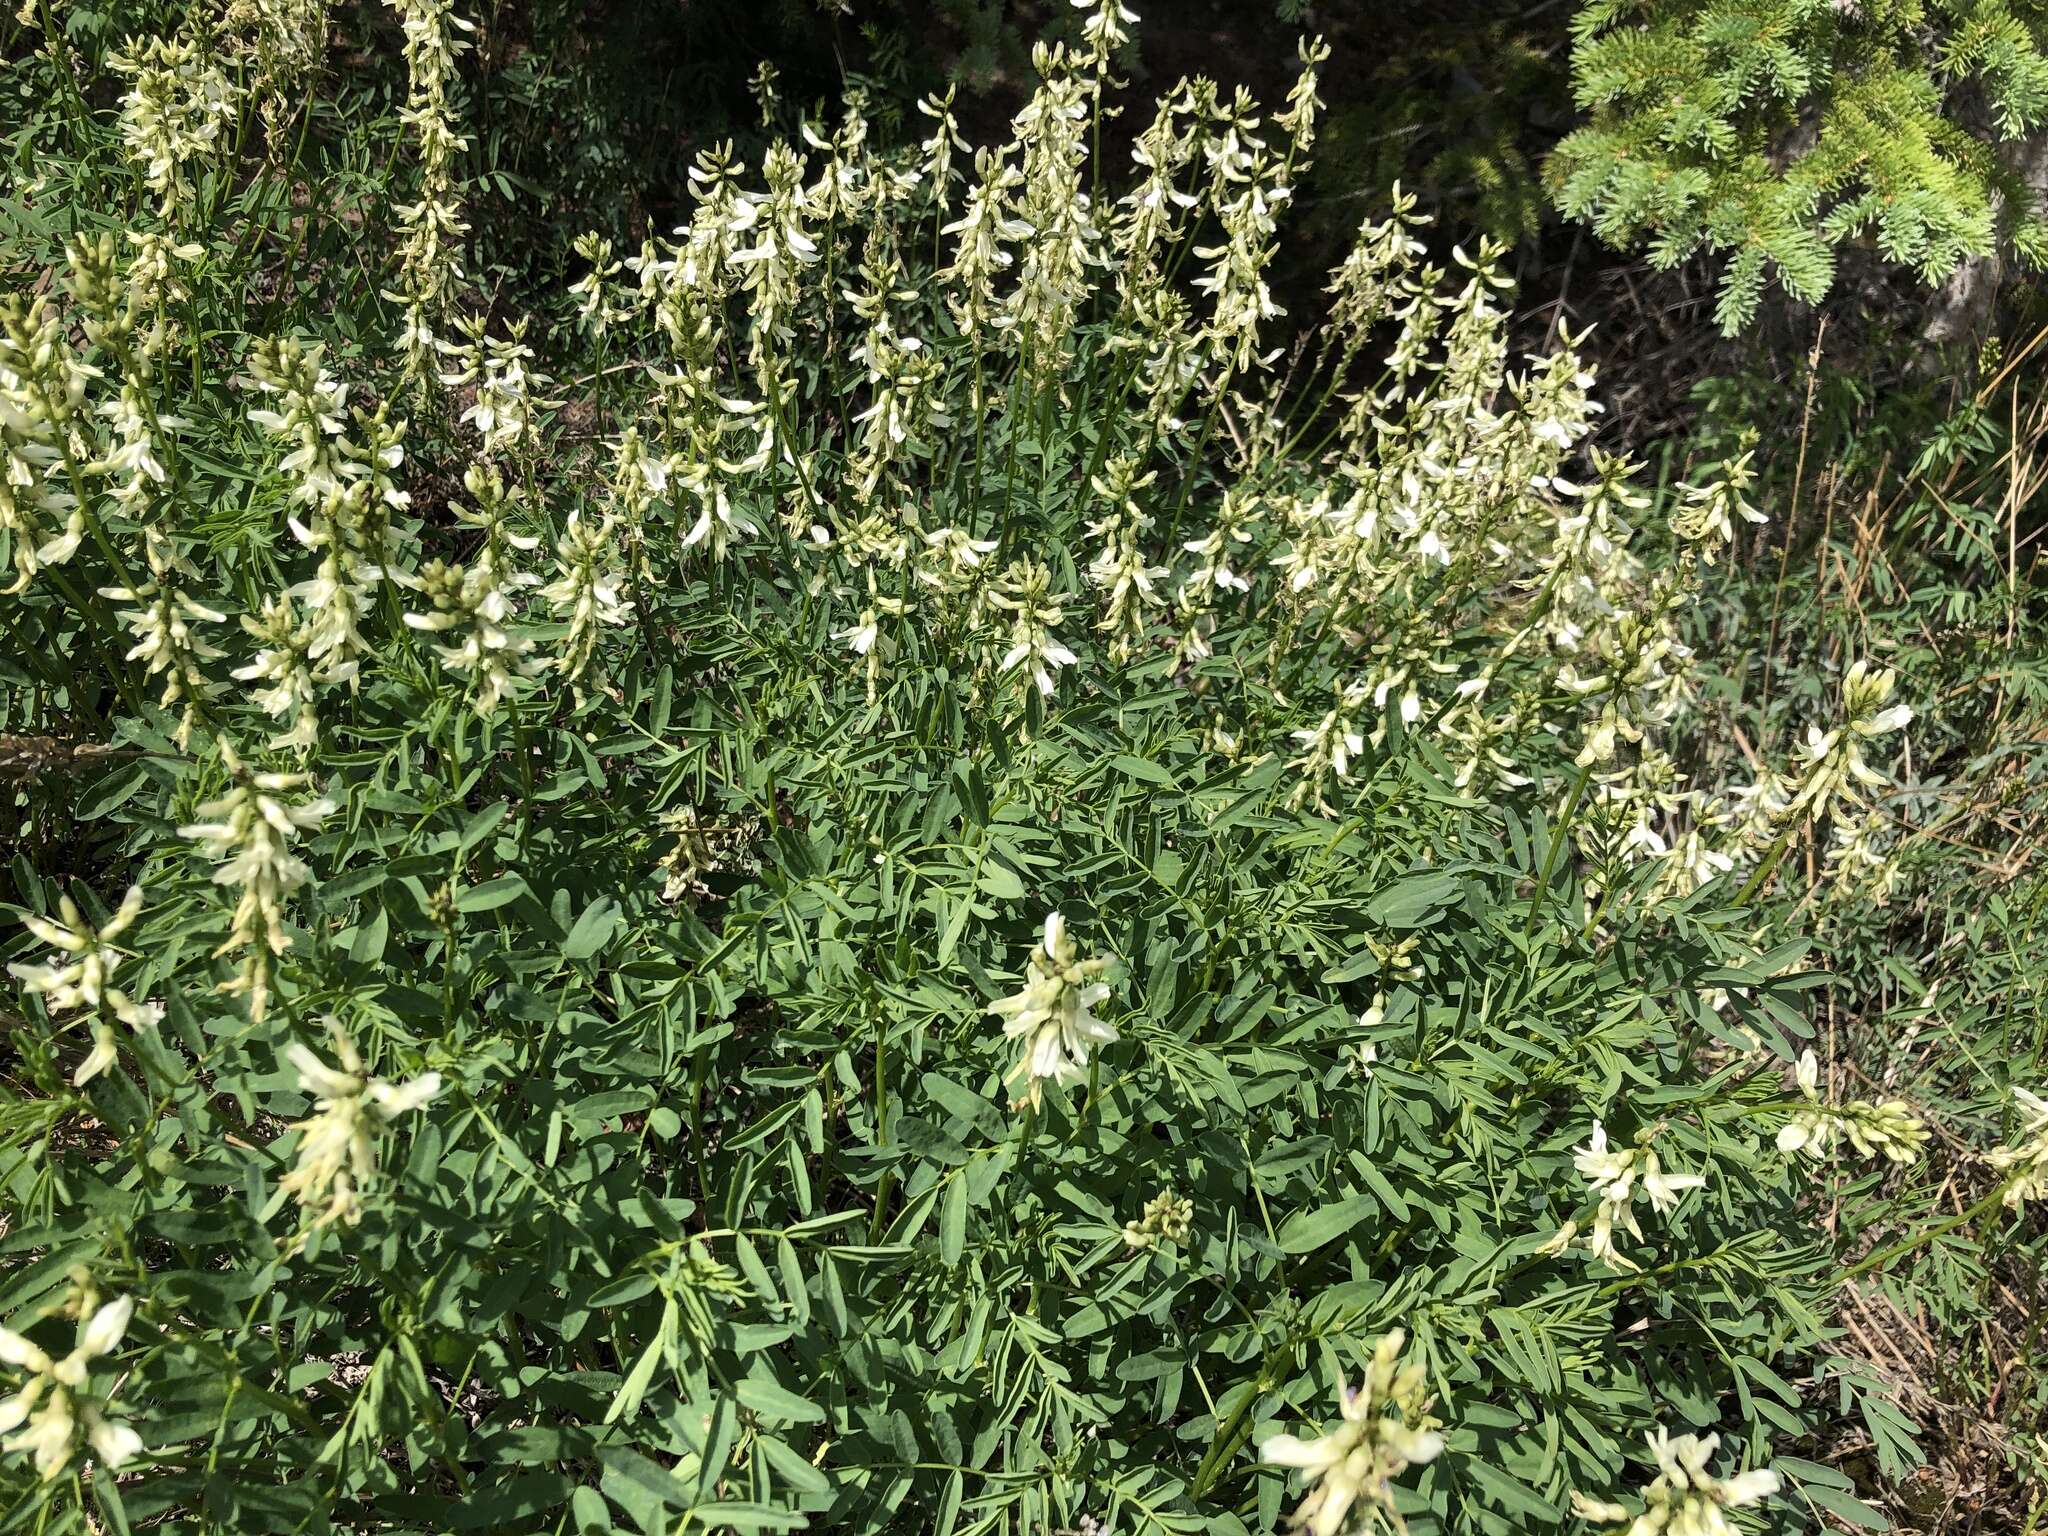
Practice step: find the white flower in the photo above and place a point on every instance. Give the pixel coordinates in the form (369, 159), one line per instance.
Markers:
(1385, 1429)
(53, 1403)
(250, 830)
(1685, 1499)
(1597, 1510)
(1665, 1188)
(1834, 765)
(1608, 1172)
(1053, 1013)
(1614, 1178)
(2027, 1163)
(79, 977)
(338, 1141)
(861, 637)
(1889, 1129)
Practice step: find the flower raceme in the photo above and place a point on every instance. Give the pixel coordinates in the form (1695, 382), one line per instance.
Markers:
(250, 830)
(1685, 1499)
(42, 389)
(432, 228)
(53, 1414)
(2026, 1165)
(587, 593)
(1834, 765)
(1888, 1129)
(1054, 1014)
(1035, 652)
(338, 1141)
(163, 625)
(79, 977)
(173, 113)
(1386, 1428)
(1615, 1178)
(1166, 1220)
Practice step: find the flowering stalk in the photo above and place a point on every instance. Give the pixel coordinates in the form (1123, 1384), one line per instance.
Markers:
(337, 1155)
(1614, 1179)
(1054, 1015)
(249, 832)
(432, 227)
(1888, 1129)
(1385, 1428)
(79, 977)
(1685, 1499)
(53, 1417)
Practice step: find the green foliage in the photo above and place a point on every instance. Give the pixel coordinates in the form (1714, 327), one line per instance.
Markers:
(592, 839)
(1913, 541)
(1770, 132)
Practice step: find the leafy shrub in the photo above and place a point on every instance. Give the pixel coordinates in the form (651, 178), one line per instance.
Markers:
(926, 896)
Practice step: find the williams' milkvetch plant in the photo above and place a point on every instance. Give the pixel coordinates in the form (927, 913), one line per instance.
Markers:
(646, 750)
(1927, 889)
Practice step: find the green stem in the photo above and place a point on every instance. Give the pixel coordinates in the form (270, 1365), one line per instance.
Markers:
(1765, 870)
(1187, 484)
(1230, 1439)
(1926, 1235)
(1558, 836)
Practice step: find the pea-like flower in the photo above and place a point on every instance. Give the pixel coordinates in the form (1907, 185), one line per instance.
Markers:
(1053, 1014)
(54, 1415)
(2026, 1164)
(1889, 1128)
(1616, 1177)
(1685, 1499)
(79, 977)
(1386, 1429)
(250, 830)
(1835, 768)
(338, 1141)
